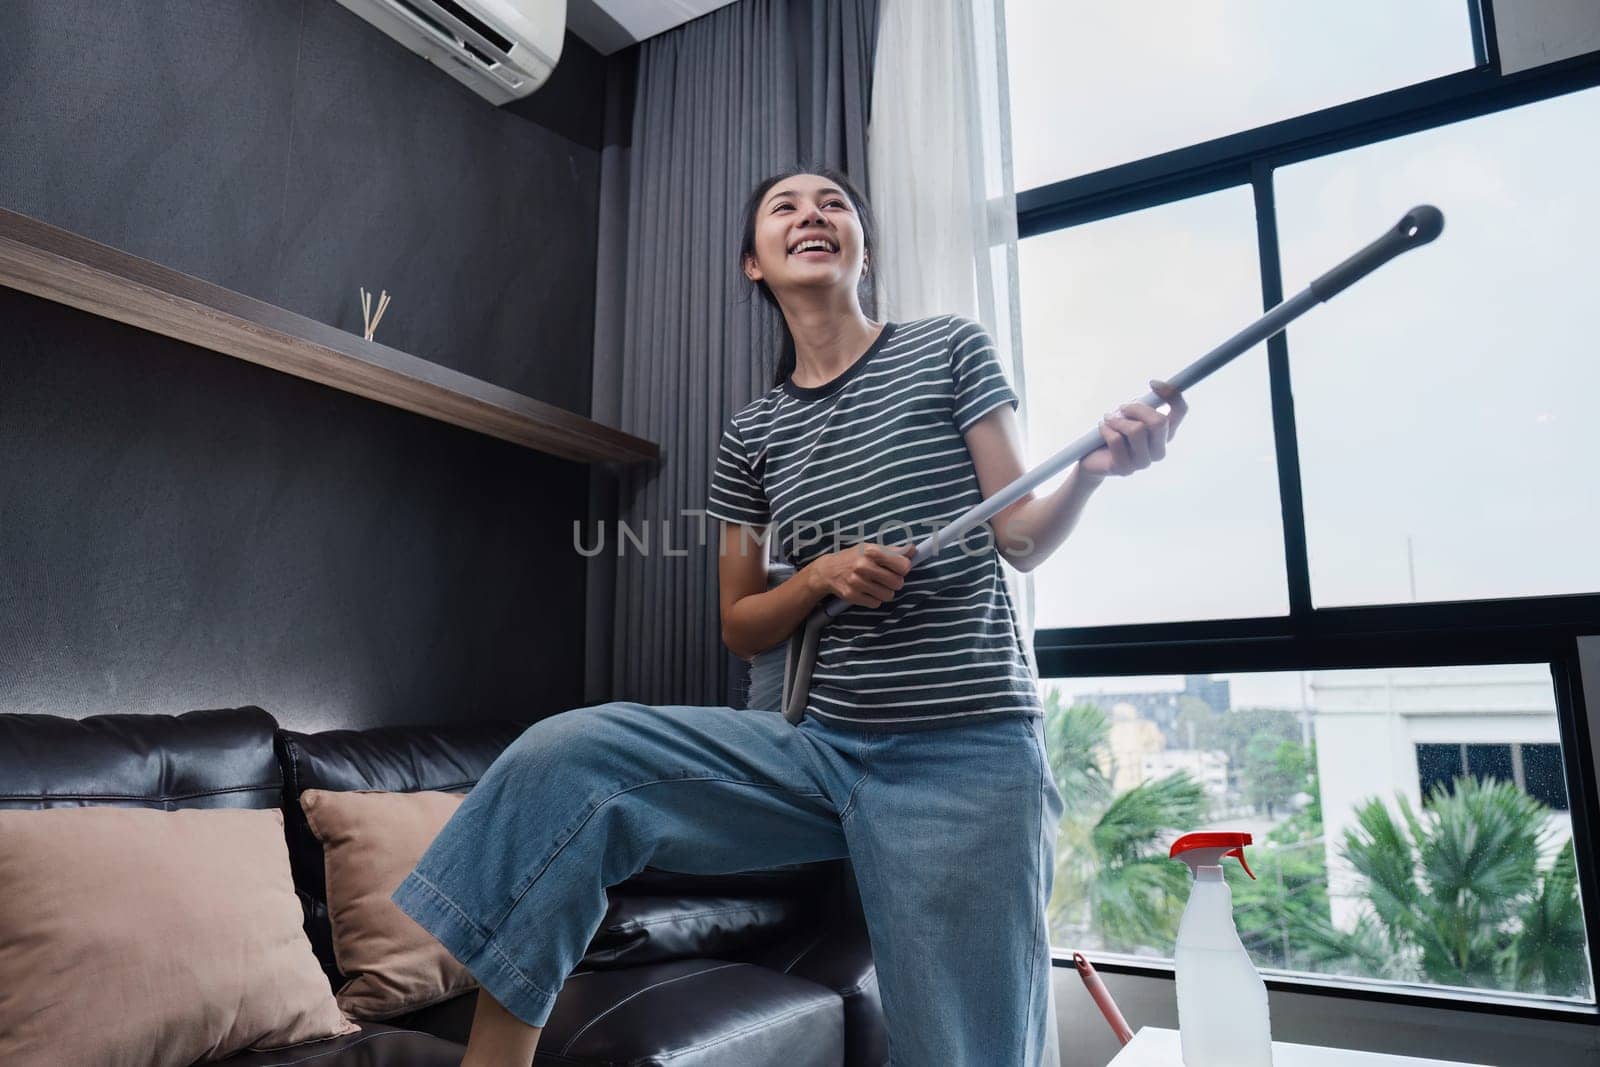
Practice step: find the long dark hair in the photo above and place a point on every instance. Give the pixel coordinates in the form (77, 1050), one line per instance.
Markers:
(867, 291)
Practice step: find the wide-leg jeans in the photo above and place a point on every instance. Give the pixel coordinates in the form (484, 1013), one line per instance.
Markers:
(951, 833)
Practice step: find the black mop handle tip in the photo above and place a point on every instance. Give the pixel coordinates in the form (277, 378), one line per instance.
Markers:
(1416, 228)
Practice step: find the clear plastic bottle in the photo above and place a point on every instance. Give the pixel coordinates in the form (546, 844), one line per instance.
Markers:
(1222, 1002)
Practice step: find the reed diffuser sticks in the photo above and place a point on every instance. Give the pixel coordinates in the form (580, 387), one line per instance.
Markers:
(368, 319)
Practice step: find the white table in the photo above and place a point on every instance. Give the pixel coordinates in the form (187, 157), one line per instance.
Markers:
(1153, 1046)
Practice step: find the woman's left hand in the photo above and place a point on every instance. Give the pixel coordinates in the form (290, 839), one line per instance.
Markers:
(1136, 434)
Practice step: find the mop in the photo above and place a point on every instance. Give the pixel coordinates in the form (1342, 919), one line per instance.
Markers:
(1416, 228)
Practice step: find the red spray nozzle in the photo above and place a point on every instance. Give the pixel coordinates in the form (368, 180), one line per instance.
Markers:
(1207, 849)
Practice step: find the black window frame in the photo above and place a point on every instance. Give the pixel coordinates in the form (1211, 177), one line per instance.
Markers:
(1505, 630)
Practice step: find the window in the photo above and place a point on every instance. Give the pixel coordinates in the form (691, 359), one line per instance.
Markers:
(1484, 344)
(1357, 873)
(1105, 307)
(1534, 769)
(1542, 777)
(1096, 84)
(1392, 491)
(1438, 767)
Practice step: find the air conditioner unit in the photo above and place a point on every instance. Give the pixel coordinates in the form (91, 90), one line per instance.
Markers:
(500, 49)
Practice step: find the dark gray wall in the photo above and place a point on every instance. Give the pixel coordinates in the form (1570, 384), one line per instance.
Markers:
(180, 529)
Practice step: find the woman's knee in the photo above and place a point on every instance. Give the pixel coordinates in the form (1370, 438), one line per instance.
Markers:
(571, 744)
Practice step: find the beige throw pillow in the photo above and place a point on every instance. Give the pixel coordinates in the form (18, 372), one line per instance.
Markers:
(132, 937)
(370, 841)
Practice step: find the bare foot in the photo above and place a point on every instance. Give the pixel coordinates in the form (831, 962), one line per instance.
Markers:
(498, 1038)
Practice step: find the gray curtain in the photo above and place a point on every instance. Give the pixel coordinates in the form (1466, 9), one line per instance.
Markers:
(681, 341)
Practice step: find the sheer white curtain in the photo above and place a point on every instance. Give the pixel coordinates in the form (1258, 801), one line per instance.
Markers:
(939, 160)
(939, 166)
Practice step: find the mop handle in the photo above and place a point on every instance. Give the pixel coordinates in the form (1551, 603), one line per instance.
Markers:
(1416, 228)
(1419, 226)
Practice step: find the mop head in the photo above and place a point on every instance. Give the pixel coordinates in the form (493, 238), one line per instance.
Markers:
(766, 679)
(766, 670)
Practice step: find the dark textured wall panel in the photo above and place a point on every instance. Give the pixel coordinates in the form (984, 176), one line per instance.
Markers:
(480, 223)
(180, 529)
(159, 128)
(290, 151)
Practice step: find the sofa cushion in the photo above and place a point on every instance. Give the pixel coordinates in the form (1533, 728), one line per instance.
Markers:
(374, 1045)
(132, 936)
(451, 759)
(694, 1013)
(686, 1013)
(647, 929)
(398, 759)
(216, 758)
(370, 841)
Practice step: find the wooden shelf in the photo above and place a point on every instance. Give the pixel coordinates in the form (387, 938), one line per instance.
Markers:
(68, 268)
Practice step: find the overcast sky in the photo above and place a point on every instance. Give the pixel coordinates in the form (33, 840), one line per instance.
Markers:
(1444, 404)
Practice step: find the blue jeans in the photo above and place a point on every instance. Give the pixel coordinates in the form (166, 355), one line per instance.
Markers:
(951, 832)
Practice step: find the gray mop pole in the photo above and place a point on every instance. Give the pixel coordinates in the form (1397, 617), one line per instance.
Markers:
(1416, 228)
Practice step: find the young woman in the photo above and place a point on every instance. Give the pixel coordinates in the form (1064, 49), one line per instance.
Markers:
(921, 757)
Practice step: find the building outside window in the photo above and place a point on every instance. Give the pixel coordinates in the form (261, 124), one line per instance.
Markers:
(1336, 775)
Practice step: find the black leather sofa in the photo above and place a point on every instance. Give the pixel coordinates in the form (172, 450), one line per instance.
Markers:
(760, 967)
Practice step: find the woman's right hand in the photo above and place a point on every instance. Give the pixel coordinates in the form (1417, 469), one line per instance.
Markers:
(866, 574)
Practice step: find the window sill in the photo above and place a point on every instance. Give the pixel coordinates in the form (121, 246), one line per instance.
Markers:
(1444, 998)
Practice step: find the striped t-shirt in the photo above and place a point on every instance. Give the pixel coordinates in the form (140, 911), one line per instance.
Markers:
(877, 454)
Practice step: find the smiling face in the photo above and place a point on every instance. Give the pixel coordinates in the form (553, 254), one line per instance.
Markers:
(807, 235)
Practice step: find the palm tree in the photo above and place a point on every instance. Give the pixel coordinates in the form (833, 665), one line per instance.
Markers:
(1112, 879)
(1458, 896)
(1291, 888)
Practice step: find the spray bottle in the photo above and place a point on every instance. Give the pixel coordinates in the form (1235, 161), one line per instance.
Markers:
(1222, 1002)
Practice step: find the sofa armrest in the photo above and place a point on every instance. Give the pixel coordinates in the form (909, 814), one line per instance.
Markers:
(840, 959)
(837, 954)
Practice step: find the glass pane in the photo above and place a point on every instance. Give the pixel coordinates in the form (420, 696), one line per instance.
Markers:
(1097, 84)
(1492, 762)
(1543, 777)
(1438, 767)
(1445, 404)
(1105, 307)
(1325, 769)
